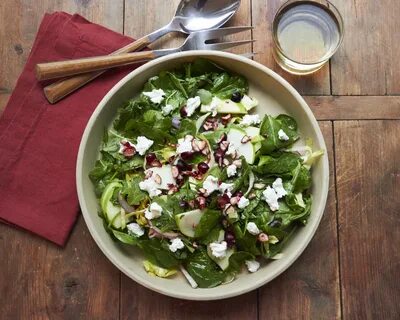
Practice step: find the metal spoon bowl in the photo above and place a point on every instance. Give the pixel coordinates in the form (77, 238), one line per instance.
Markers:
(196, 15)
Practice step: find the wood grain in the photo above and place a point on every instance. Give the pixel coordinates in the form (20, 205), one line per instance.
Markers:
(366, 62)
(20, 20)
(354, 107)
(310, 288)
(41, 281)
(263, 12)
(368, 184)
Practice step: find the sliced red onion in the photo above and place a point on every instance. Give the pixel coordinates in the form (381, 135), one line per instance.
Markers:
(157, 233)
(251, 183)
(125, 205)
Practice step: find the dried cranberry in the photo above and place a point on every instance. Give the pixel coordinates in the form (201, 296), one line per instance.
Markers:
(183, 112)
(150, 157)
(155, 163)
(230, 238)
(237, 96)
(222, 201)
(201, 202)
(219, 154)
(238, 194)
(203, 167)
(187, 155)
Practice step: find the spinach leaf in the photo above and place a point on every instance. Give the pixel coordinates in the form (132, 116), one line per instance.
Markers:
(207, 222)
(279, 163)
(237, 260)
(301, 179)
(203, 270)
(224, 85)
(270, 127)
(131, 191)
(159, 254)
(125, 238)
(245, 241)
(166, 222)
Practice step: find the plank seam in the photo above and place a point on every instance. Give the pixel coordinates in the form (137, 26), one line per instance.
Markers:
(337, 220)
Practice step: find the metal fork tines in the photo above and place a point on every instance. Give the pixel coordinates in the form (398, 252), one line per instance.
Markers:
(208, 40)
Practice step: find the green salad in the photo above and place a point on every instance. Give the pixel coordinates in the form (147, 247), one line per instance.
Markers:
(198, 181)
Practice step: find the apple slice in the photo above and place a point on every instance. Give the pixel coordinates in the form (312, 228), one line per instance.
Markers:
(223, 262)
(247, 150)
(226, 106)
(165, 173)
(187, 221)
(111, 211)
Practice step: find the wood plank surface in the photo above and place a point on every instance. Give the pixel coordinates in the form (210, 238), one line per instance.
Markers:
(368, 184)
(309, 289)
(263, 12)
(20, 20)
(354, 107)
(39, 280)
(366, 63)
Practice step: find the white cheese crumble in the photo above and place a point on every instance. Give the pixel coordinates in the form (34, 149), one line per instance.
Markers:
(122, 146)
(185, 144)
(135, 229)
(210, 184)
(153, 211)
(150, 186)
(252, 228)
(166, 110)
(213, 106)
(231, 170)
(225, 187)
(176, 244)
(232, 149)
(243, 202)
(218, 249)
(250, 119)
(271, 198)
(156, 95)
(252, 265)
(192, 104)
(143, 144)
(282, 135)
(279, 189)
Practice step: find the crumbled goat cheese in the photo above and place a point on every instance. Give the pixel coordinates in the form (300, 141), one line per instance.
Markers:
(271, 198)
(154, 211)
(176, 244)
(252, 228)
(185, 144)
(252, 265)
(282, 135)
(225, 187)
(231, 170)
(243, 202)
(167, 109)
(250, 119)
(210, 184)
(143, 144)
(232, 149)
(150, 186)
(156, 95)
(218, 249)
(192, 104)
(279, 189)
(135, 229)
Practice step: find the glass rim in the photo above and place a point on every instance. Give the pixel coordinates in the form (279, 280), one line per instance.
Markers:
(332, 10)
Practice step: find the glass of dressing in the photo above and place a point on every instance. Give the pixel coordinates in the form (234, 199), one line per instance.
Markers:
(306, 33)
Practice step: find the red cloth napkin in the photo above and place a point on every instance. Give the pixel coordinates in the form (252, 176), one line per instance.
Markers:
(38, 141)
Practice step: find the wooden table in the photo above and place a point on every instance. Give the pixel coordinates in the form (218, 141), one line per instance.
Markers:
(350, 270)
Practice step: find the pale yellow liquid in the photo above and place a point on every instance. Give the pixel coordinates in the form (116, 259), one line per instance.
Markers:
(307, 35)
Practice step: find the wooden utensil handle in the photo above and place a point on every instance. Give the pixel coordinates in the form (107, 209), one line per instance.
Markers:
(51, 70)
(58, 90)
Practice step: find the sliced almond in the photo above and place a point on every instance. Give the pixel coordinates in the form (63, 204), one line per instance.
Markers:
(245, 139)
(157, 179)
(175, 171)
